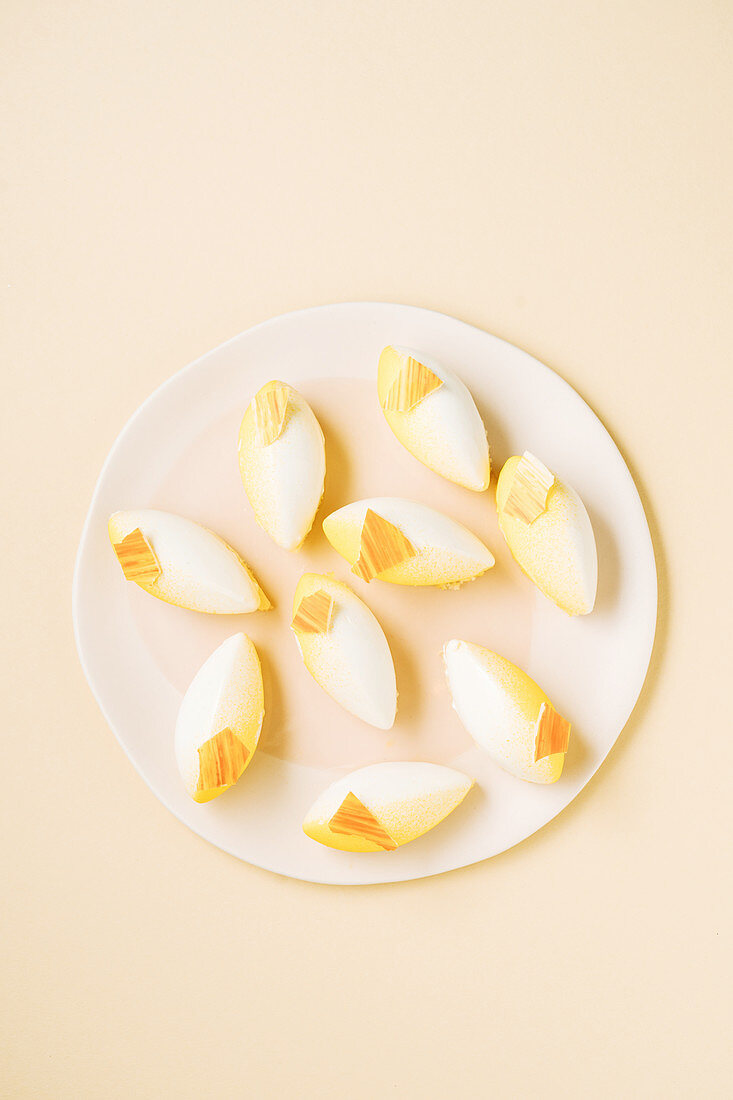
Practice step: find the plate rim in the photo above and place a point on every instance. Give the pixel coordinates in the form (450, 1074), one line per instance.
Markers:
(128, 426)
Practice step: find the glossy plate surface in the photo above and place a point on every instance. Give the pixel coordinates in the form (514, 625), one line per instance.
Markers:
(179, 453)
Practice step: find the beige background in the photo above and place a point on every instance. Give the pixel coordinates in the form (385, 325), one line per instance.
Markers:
(557, 173)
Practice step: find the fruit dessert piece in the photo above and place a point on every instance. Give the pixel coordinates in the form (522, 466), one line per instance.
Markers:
(548, 531)
(282, 460)
(220, 719)
(344, 649)
(405, 543)
(382, 806)
(183, 563)
(506, 713)
(434, 416)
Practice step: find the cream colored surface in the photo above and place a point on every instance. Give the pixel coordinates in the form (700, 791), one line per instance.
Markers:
(558, 173)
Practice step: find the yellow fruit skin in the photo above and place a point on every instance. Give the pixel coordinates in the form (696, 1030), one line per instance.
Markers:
(238, 704)
(402, 830)
(405, 816)
(310, 645)
(429, 568)
(419, 434)
(557, 550)
(284, 481)
(212, 793)
(315, 582)
(390, 363)
(510, 723)
(345, 538)
(170, 587)
(320, 831)
(374, 700)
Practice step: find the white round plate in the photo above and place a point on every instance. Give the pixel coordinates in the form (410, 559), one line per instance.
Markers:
(178, 452)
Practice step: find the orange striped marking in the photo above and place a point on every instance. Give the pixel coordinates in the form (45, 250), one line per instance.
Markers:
(382, 546)
(529, 489)
(137, 558)
(271, 404)
(353, 819)
(314, 614)
(222, 759)
(553, 733)
(413, 382)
